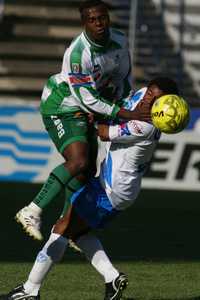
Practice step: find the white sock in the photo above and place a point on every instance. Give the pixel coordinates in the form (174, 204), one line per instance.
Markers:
(95, 253)
(51, 253)
(35, 208)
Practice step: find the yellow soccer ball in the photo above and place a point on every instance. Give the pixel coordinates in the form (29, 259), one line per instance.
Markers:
(170, 114)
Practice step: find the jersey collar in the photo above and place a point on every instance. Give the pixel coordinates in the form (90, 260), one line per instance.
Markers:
(95, 46)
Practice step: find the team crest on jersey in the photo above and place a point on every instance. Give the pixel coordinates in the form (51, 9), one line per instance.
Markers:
(76, 68)
(124, 129)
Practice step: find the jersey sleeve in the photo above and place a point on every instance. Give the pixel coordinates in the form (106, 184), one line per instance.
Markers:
(129, 132)
(78, 69)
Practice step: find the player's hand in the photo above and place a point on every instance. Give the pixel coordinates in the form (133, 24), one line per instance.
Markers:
(143, 111)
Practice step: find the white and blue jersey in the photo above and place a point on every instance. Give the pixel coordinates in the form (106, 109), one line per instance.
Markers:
(131, 149)
(129, 154)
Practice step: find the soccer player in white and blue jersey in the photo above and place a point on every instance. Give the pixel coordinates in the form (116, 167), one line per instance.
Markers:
(102, 198)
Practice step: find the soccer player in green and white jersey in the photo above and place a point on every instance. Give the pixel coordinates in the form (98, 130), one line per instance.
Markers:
(95, 75)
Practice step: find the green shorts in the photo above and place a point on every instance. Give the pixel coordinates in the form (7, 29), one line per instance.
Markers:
(66, 129)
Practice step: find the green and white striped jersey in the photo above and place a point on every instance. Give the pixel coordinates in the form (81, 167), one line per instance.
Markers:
(93, 77)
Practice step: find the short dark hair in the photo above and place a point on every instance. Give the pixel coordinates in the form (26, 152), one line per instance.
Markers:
(166, 84)
(90, 3)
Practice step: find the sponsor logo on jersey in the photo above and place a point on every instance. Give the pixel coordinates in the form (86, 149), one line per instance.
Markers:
(136, 127)
(59, 126)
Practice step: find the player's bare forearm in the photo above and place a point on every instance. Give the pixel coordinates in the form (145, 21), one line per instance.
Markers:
(141, 112)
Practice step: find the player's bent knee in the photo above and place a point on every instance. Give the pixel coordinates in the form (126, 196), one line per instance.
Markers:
(79, 164)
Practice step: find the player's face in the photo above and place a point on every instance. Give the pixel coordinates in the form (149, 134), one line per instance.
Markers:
(96, 23)
(153, 92)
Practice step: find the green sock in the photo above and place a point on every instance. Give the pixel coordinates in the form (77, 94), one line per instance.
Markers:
(56, 181)
(73, 186)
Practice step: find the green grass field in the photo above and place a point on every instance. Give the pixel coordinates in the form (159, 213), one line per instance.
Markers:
(147, 280)
(156, 243)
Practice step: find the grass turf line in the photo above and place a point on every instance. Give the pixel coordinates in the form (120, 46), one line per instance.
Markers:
(78, 280)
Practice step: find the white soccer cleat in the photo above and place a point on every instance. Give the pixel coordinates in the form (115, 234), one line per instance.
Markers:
(30, 222)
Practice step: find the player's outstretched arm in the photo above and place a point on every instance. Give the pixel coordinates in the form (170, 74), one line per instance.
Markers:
(142, 112)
